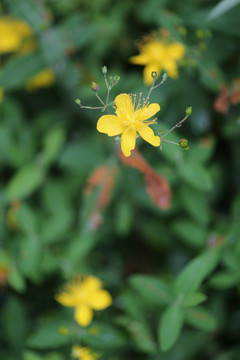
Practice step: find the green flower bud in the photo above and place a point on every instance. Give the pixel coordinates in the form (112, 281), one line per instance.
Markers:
(165, 76)
(78, 101)
(116, 78)
(104, 70)
(94, 87)
(154, 74)
(188, 110)
(184, 144)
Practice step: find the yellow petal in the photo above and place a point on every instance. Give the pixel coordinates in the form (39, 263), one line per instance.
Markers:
(100, 300)
(90, 283)
(147, 72)
(125, 108)
(148, 135)
(170, 66)
(83, 315)
(176, 51)
(67, 299)
(146, 112)
(141, 59)
(128, 141)
(110, 125)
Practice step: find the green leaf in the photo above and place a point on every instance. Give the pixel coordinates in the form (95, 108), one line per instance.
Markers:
(196, 204)
(201, 318)
(140, 335)
(190, 233)
(15, 323)
(49, 334)
(53, 143)
(15, 279)
(196, 271)
(103, 336)
(196, 175)
(153, 290)
(224, 280)
(193, 299)
(170, 326)
(19, 70)
(25, 182)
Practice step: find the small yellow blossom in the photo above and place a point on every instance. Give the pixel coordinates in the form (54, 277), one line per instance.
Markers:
(158, 56)
(85, 295)
(45, 78)
(128, 121)
(83, 353)
(13, 32)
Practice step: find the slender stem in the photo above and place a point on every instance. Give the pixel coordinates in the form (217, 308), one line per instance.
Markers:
(176, 125)
(170, 142)
(106, 82)
(104, 105)
(150, 90)
(91, 107)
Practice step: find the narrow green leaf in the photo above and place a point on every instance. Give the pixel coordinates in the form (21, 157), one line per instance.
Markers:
(201, 318)
(196, 271)
(224, 280)
(25, 182)
(53, 143)
(190, 233)
(153, 290)
(193, 299)
(196, 175)
(170, 326)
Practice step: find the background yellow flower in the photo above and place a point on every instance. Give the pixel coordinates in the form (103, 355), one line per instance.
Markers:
(83, 353)
(12, 34)
(85, 295)
(158, 56)
(43, 79)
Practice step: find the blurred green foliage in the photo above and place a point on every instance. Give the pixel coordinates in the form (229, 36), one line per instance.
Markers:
(173, 274)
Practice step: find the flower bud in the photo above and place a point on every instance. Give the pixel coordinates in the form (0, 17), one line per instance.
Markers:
(165, 76)
(184, 144)
(116, 78)
(154, 74)
(78, 101)
(188, 110)
(94, 87)
(104, 70)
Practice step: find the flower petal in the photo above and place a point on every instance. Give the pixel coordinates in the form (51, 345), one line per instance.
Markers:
(125, 108)
(99, 300)
(170, 66)
(146, 112)
(128, 141)
(66, 299)
(176, 51)
(141, 59)
(147, 72)
(83, 315)
(110, 125)
(148, 135)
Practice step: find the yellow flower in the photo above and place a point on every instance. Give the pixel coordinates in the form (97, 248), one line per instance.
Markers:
(85, 295)
(128, 121)
(158, 56)
(83, 353)
(12, 34)
(43, 79)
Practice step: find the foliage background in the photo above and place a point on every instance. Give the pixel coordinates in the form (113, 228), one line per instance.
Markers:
(154, 262)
